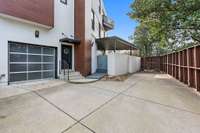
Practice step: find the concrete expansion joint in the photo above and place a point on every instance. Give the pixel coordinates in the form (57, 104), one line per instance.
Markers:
(114, 97)
(164, 105)
(146, 100)
(130, 87)
(98, 108)
(52, 104)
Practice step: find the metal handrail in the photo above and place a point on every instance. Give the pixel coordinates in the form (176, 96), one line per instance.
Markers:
(66, 66)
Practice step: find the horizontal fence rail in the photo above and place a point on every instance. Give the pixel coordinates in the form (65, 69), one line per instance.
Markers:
(183, 65)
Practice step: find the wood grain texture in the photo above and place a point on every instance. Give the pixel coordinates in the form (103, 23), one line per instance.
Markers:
(82, 51)
(38, 11)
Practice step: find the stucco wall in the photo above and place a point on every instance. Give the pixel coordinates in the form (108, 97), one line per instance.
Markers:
(119, 64)
(14, 30)
(90, 33)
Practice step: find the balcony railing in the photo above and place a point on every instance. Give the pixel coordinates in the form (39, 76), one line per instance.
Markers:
(108, 23)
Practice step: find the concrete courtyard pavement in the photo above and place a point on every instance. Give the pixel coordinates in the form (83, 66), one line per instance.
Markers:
(144, 103)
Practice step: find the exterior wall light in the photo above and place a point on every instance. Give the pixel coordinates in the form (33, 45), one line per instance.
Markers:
(37, 34)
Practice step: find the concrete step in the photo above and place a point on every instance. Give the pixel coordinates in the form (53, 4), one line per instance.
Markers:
(83, 81)
(72, 75)
(96, 76)
(71, 78)
(75, 74)
(66, 71)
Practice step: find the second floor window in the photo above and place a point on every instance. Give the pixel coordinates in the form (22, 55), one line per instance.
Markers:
(99, 6)
(99, 30)
(93, 20)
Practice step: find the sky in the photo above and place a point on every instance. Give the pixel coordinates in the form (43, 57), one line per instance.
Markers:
(117, 10)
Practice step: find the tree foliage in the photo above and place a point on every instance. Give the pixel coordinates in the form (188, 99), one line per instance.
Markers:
(165, 25)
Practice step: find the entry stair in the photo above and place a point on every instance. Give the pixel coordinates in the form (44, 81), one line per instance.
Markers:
(75, 77)
(72, 75)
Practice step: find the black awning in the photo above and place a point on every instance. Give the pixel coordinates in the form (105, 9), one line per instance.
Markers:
(114, 43)
(70, 40)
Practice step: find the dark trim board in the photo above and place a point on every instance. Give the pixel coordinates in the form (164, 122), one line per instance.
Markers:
(43, 71)
(8, 63)
(56, 62)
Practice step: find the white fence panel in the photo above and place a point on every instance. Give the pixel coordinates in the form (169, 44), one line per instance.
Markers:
(119, 64)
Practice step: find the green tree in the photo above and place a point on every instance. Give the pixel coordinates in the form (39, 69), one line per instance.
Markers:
(169, 24)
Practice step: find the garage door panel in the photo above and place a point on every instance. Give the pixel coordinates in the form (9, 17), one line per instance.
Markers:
(34, 67)
(34, 49)
(18, 77)
(18, 58)
(30, 62)
(34, 75)
(48, 74)
(48, 51)
(16, 47)
(34, 58)
(48, 58)
(48, 67)
(18, 67)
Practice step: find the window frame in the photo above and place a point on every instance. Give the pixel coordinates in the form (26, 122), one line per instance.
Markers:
(93, 20)
(100, 7)
(100, 28)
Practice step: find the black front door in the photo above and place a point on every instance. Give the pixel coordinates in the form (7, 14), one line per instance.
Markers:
(66, 57)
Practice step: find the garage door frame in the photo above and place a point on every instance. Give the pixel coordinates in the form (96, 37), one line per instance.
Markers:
(42, 47)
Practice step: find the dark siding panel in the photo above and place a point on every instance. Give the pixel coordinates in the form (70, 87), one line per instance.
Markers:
(39, 11)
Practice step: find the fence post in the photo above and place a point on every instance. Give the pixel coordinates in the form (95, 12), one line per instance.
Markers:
(188, 67)
(195, 65)
(198, 67)
(172, 65)
(167, 63)
(179, 63)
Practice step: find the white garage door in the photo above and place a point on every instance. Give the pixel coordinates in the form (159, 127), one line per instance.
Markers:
(31, 62)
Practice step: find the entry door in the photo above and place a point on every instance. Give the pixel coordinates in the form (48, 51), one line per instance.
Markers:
(66, 56)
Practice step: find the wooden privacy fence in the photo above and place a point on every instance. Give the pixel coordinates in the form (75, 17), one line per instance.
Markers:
(151, 63)
(183, 65)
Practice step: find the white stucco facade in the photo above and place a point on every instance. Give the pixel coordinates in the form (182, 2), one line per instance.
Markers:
(22, 31)
(12, 29)
(94, 34)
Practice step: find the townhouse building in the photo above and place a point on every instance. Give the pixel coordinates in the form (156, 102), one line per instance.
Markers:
(40, 38)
